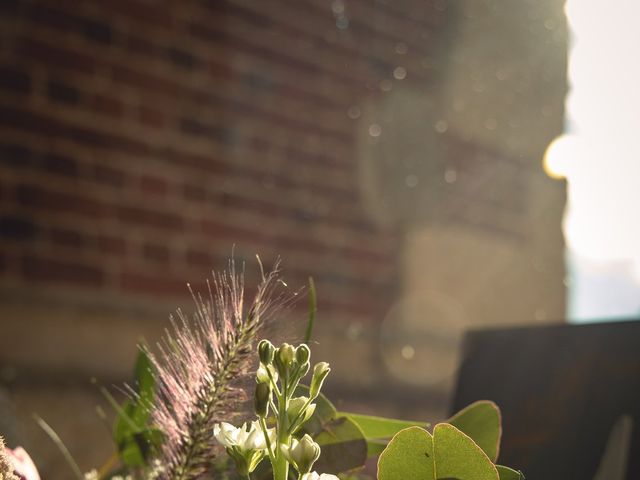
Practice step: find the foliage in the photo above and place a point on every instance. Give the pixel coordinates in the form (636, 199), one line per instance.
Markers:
(178, 412)
(464, 448)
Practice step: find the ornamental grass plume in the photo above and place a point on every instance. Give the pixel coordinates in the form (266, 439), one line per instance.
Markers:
(201, 366)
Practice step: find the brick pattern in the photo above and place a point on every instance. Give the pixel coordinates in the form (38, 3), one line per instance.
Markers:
(140, 140)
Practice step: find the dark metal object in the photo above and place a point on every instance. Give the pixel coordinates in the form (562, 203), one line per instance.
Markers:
(561, 389)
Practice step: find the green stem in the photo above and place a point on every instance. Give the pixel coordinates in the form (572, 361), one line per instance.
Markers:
(265, 432)
(274, 384)
(108, 465)
(313, 308)
(281, 466)
(294, 425)
(61, 446)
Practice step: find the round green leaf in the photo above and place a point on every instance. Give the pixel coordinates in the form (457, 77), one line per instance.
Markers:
(409, 456)
(483, 423)
(458, 457)
(507, 473)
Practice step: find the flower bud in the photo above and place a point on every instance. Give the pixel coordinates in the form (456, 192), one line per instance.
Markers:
(261, 399)
(303, 354)
(304, 369)
(286, 353)
(302, 453)
(266, 351)
(295, 410)
(284, 358)
(320, 372)
(262, 374)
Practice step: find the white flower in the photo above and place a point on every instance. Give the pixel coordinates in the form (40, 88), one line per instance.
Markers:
(93, 475)
(315, 476)
(245, 438)
(302, 453)
(245, 445)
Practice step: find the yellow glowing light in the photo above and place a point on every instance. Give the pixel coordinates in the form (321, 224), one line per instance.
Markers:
(560, 155)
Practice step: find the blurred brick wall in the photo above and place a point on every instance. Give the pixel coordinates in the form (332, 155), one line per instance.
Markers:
(140, 140)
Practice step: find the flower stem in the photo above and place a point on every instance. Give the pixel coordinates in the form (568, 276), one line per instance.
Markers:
(265, 432)
(281, 466)
(294, 425)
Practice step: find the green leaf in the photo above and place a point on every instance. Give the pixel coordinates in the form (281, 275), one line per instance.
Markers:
(507, 473)
(324, 413)
(458, 457)
(409, 456)
(376, 446)
(341, 440)
(414, 454)
(145, 379)
(343, 447)
(130, 453)
(126, 433)
(483, 423)
(132, 434)
(380, 427)
(378, 430)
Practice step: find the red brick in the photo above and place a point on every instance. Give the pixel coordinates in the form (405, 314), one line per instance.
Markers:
(153, 218)
(36, 122)
(15, 80)
(106, 105)
(156, 285)
(62, 202)
(108, 175)
(16, 155)
(60, 164)
(41, 269)
(111, 245)
(195, 192)
(145, 81)
(156, 253)
(69, 21)
(136, 11)
(49, 54)
(199, 258)
(152, 117)
(141, 45)
(206, 163)
(153, 185)
(67, 238)
(20, 228)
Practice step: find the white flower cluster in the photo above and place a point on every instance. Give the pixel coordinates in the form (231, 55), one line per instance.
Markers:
(153, 474)
(315, 476)
(277, 402)
(247, 445)
(93, 475)
(247, 437)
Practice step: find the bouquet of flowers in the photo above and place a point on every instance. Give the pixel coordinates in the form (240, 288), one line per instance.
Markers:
(189, 414)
